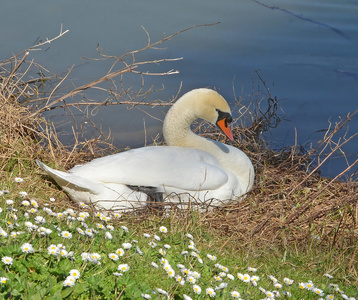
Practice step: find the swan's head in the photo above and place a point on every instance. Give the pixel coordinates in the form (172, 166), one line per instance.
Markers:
(197, 104)
(209, 105)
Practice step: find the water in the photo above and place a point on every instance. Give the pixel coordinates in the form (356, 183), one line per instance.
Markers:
(306, 51)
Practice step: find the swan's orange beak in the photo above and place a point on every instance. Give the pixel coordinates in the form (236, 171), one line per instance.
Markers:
(224, 126)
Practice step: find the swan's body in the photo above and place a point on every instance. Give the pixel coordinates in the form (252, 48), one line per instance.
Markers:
(190, 168)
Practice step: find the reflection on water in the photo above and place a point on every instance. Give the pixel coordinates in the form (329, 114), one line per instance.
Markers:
(306, 51)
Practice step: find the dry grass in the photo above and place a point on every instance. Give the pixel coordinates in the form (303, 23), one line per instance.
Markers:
(290, 205)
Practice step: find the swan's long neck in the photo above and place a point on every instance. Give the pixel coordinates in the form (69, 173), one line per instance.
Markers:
(177, 131)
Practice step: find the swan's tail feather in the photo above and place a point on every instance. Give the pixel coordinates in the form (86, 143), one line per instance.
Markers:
(68, 180)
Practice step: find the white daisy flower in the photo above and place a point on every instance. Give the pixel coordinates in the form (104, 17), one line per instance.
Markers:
(69, 281)
(123, 267)
(211, 292)
(188, 235)
(127, 245)
(18, 179)
(3, 280)
(120, 252)
(66, 234)
(75, 273)
(108, 235)
(125, 228)
(197, 289)
(113, 256)
(235, 294)
(40, 220)
(9, 202)
(27, 248)
(7, 260)
(23, 194)
(163, 229)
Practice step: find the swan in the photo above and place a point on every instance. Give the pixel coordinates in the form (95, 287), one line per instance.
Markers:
(189, 169)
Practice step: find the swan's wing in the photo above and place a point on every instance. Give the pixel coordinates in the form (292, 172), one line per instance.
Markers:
(183, 168)
(72, 181)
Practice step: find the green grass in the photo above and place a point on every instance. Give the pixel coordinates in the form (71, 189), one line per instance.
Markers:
(40, 275)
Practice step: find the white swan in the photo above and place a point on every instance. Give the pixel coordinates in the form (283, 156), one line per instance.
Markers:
(190, 168)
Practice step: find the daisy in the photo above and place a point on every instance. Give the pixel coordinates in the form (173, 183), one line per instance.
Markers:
(123, 267)
(146, 296)
(221, 286)
(3, 279)
(153, 264)
(75, 273)
(211, 257)
(100, 226)
(120, 252)
(231, 277)
(140, 252)
(152, 244)
(7, 260)
(197, 289)
(157, 238)
(278, 285)
(108, 235)
(40, 220)
(269, 294)
(246, 278)
(188, 235)
(191, 279)
(288, 281)
(18, 179)
(146, 235)
(23, 194)
(95, 258)
(250, 269)
(117, 215)
(25, 203)
(27, 248)
(34, 203)
(162, 252)
(65, 234)
(69, 281)
(254, 280)
(52, 199)
(211, 292)
(80, 231)
(163, 229)
(63, 252)
(186, 297)
(113, 256)
(330, 296)
(53, 250)
(9, 202)
(310, 285)
(179, 279)
(161, 291)
(171, 273)
(89, 232)
(302, 285)
(318, 291)
(328, 276)
(235, 294)
(125, 228)
(127, 245)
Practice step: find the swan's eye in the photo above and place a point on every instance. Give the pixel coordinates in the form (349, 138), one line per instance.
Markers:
(224, 116)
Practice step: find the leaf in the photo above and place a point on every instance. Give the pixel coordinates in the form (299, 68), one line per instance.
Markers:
(66, 292)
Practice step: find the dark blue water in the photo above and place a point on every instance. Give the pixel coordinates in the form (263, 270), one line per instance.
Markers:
(305, 51)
